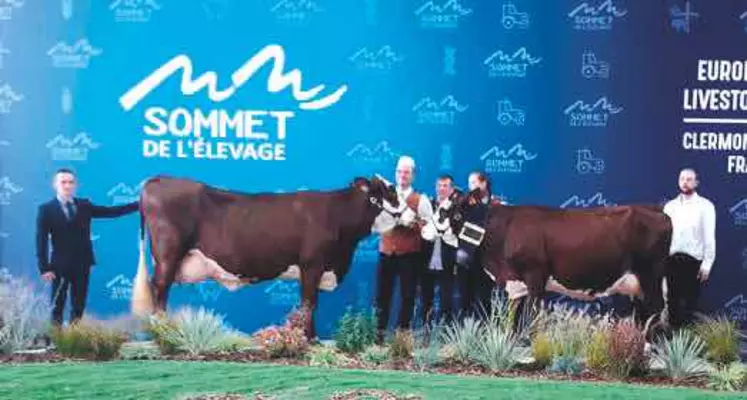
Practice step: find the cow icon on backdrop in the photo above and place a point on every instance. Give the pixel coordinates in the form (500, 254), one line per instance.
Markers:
(7, 98)
(199, 232)
(8, 189)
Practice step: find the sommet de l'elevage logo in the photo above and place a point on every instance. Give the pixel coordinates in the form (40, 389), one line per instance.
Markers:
(221, 133)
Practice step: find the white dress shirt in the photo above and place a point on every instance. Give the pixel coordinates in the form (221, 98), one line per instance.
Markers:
(425, 210)
(436, 262)
(64, 202)
(385, 222)
(693, 228)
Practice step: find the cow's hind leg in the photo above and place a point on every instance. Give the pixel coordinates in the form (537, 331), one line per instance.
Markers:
(168, 252)
(311, 275)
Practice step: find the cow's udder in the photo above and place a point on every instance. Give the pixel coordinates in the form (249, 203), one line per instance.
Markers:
(196, 267)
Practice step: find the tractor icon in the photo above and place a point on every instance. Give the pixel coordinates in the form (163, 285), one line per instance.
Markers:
(507, 113)
(586, 162)
(511, 17)
(593, 68)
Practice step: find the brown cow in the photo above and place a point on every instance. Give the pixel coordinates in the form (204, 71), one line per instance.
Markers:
(597, 249)
(199, 232)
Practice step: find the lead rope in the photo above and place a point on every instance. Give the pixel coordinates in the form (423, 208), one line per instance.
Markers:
(53, 302)
(58, 291)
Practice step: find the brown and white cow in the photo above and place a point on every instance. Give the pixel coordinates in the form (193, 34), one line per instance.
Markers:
(199, 232)
(603, 250)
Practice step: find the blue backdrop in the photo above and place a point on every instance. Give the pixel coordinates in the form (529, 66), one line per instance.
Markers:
(565, 103)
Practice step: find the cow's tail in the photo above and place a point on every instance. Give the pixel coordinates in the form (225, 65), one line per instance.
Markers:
(142, 294)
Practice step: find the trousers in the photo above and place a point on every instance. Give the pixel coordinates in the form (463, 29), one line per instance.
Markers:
(75, 282)
(444, 280)
(683, 289)
(407, 268)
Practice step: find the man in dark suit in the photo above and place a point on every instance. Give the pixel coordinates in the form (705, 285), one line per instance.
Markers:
(67, 219)
(440, 265)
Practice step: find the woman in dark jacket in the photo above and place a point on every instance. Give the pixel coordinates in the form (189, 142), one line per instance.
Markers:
(475, 286)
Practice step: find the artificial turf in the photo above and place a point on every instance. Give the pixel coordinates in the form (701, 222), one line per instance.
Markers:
(173, 380)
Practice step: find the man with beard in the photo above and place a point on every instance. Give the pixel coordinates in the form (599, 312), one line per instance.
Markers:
(693, 248)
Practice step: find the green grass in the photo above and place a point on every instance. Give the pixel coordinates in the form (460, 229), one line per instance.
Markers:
(170, 380)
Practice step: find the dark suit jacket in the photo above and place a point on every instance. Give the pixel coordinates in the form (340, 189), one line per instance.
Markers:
(448, 253)
(71, 240)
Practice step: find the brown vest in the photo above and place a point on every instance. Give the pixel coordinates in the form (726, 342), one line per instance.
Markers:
(403, 240)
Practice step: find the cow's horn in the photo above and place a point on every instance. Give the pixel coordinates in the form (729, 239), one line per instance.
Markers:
(142, 296)
(381, 178)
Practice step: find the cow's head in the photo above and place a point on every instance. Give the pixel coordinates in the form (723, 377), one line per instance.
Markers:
(440, 224)
(380, 192)
(467, 218)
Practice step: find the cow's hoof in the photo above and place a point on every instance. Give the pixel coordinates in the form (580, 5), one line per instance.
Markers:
(328, 282)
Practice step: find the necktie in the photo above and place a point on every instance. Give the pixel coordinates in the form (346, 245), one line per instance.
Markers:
(70, 210)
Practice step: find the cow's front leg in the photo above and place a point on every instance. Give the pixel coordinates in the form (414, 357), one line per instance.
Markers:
(311, 275)
(536, 282)
(652, 304)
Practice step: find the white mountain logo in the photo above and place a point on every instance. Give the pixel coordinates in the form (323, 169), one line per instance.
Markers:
(448, 103)
(517, 151)
(379, 153)
(80, 140)
(597, 200)
(277, 81)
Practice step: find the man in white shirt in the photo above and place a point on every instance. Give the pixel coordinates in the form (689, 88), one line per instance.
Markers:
(693, 248)
(401, 250)
(440, 263)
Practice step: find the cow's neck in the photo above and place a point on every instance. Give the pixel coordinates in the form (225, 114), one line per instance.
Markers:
(361, 215)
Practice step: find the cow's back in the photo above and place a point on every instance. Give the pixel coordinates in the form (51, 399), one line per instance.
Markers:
(262, 233)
